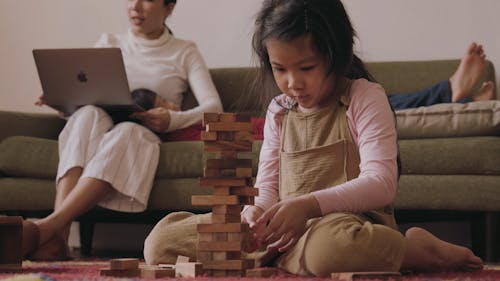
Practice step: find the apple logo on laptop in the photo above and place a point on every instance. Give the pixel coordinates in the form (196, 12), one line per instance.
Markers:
(82, 77)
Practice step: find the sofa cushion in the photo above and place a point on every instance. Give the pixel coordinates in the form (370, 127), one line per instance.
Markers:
(450, 120)
(451, 156)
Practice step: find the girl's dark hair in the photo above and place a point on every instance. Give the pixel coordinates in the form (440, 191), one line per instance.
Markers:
(326, 21)
(145, 98)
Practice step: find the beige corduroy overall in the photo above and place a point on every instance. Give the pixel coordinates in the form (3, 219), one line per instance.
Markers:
(317, 152)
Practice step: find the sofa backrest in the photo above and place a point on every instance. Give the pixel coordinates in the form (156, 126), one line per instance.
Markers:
(237, 87)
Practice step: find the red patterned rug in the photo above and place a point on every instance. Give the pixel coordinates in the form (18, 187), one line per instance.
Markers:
(89, 270)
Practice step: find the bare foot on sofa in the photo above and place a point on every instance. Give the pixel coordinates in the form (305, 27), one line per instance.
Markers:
(485, 92)
(426, 252)
(468, 72)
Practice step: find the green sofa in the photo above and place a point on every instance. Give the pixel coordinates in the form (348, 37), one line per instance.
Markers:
(450, 164)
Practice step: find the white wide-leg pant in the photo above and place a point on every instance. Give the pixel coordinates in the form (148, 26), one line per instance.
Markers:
(126, 156)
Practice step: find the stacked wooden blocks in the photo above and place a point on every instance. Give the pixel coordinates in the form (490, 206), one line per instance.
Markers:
(221, 242)
(11, 239)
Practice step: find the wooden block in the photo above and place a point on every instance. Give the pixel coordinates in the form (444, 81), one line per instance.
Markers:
(246, 191)
(222, 190)
(208, 136)
(243, 136)
(226, 227)
(202, 256)
(220, 246)
(218, 273)
(261, 272)
(209, 117)
(239, 146)
(229, 127)
(229, 154)
(154, 272)
(11, 239)
(224, 218)
(222, 256)
(120, 272)
(226, 209)
(210, 200)
(206, 236)
(235, 273)
(220, 236)
(188, 269)
(227, 117)
(166, 265)
(349, 276)
(235, 236)
(243, 117)
(224, 181)
(229, 264)
(244, 172)
(125, 263)
(228, 163)
(211, 173)
(182, 259)
(225, 136)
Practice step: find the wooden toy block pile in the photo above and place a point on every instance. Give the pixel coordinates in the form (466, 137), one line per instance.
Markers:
(221, 242)
(11, 239)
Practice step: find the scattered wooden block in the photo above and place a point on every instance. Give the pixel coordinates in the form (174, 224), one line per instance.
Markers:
(183, 259)
(120, 272)
(263, 272)
(11, 240)
(154, 272)
(188, 269)
(351, 276)
(124, 263)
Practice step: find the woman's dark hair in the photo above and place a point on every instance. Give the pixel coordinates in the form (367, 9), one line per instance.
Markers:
(326, 21)
(165, 3)
(145, 98)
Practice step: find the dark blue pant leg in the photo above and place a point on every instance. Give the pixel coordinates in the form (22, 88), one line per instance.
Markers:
(438, 93)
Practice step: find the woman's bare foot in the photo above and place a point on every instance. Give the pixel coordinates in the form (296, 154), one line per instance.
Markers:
(485, 92)
(55, 249)
(468, 72)
(426, 252)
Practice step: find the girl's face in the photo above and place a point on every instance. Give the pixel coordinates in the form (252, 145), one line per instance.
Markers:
(146, 17)
(299, 71)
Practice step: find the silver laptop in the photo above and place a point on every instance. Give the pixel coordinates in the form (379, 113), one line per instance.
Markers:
(72, 78)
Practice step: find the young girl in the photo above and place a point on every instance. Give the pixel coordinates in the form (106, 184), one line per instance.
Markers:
(328, 165)
(110, 165)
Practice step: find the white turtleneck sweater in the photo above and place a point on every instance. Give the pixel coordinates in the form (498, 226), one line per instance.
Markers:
(168, 66)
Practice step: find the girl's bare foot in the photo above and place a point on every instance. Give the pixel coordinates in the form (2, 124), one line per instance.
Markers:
(485, 92)
(426, 252)
(468, 72)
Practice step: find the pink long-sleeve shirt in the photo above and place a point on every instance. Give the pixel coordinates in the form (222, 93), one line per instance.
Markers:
(373, 131)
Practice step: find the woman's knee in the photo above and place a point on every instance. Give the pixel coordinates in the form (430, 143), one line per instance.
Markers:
(134, 129)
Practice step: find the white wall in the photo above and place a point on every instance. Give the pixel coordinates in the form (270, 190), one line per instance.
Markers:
(388, 30)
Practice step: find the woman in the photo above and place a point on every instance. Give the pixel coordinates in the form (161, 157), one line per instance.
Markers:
(100, 163)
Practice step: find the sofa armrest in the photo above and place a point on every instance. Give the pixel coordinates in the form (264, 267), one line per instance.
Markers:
(30, 124)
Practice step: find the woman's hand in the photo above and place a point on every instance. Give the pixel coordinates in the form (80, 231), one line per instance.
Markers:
(156, 119)
(285, 222)
(250, 216)
(41, 102)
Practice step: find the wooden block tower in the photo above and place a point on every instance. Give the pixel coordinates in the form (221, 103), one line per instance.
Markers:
(221, 242)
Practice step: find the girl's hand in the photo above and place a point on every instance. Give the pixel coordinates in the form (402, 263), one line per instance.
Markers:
(40, 101)
(250, 216)
(286, 222)
(156, 119)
